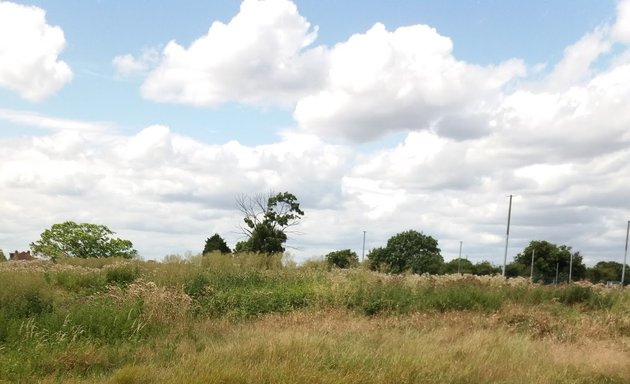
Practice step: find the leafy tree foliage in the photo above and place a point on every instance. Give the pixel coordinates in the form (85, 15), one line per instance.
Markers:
(606, 271)
(2, 256)
(82, 240)
(344, 258)
(408, 251)
(216, 243)
(547, 257)
(243, 246)
(486, 268)
(457, 265)
(267, 219)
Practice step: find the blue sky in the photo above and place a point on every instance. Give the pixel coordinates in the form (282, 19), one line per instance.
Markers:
(380, 115)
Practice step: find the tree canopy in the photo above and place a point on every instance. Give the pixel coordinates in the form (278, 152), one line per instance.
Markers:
(408, 251)
(457, 265)
(267, 219)
(2, 256)
(344, 258)
(216, 244)
(606, 271)
(548, 256)
(81, 240)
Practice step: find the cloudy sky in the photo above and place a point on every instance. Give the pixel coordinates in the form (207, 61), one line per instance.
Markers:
(380, 116)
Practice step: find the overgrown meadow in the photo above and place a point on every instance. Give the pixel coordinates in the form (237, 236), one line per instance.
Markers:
(249, 319)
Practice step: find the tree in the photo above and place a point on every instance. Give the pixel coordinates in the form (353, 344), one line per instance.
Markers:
(485, 268)
(457, 265)
(344, 258)
(216, 243)
(2, 256)
(81, 240)
(408, 251)
(605, 271)
(242, 247)
(547, 258)
(267, 219)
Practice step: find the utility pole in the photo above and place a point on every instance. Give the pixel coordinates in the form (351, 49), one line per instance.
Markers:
(557, 271)
(531, 274)
(459, 261)
(570, 267)
(507, 236)
(363, 253)
(625, 255)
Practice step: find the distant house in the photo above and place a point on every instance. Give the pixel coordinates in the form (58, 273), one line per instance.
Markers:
(21, 256)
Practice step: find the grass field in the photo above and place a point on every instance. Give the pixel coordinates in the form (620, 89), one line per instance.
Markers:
(247, 319)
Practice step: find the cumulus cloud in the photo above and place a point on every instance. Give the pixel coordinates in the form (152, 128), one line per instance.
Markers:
(621, 28)
(259, 57)
(156, 183)
(472, 135)
(408, 79)
(578, 58)
(29, 50)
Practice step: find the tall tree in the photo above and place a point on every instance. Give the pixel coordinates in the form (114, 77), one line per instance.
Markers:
(485, 268)
(81, 240)
(2, 256)
(408, 251)
(457, 265)
(605, 271)
(267, 220)
(216, 243)
(548, 258)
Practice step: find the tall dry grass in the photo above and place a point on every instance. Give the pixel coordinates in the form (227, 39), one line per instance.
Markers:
(256, 319)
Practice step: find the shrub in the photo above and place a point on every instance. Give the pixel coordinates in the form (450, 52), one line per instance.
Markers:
(122, 275)
(345, 258)
(196, 287)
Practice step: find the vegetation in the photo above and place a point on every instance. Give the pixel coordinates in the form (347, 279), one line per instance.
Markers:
(606, 271)
(248, 318)
(2, 256)
(552, 263)
(267, 219)
(408, 251)
(216, 243)
(345, 258)
(84, 240)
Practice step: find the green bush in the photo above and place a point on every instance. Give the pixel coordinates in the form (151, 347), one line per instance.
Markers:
(121, 274)
(196, 287)
(345, 258)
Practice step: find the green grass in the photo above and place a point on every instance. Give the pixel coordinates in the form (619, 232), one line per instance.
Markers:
(249, 319)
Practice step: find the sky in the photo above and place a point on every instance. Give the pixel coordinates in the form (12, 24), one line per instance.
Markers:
(151, 117)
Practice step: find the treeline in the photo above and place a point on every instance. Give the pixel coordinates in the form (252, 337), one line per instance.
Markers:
(416, 252)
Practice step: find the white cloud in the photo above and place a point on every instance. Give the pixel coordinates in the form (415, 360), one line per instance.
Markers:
(408, 79)
(473, 136)
(578, 58)
(259, 57)
(29, 50)
(621, 28)
(156, 183)
(52, 123)
(127, 65)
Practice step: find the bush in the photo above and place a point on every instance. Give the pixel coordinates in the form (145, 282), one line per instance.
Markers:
(196, 287)
(121, 274)
(345, 258)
